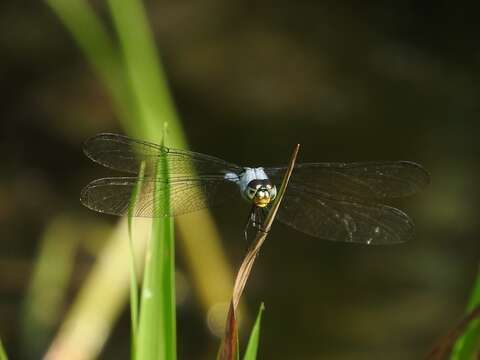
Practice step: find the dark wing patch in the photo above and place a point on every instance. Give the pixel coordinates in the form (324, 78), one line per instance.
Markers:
(368, 180)
(345, 219)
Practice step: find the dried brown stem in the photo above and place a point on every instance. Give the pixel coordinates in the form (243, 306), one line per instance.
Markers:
(229, 344)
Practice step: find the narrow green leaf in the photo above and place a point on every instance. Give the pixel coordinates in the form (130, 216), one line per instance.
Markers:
(138, 86)
(3, 353)
(144, 71)
(468, 345)
(157, 329)
(252, 347)
(126, 79)
(157, 326)
(133, 266)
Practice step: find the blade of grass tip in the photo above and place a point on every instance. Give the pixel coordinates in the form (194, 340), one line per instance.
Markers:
(252, 347)
(90, 35)
(3, 353)
(469, 343)
(133, 265)
(169, 318)
(157, 329)
(246, 267)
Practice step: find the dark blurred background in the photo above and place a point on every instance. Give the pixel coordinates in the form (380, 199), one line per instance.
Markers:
(348, 80)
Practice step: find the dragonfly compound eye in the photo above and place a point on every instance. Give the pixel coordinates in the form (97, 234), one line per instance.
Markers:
(250, 193)
(273, 192)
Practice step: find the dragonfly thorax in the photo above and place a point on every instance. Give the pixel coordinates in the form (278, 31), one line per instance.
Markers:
(256, 187)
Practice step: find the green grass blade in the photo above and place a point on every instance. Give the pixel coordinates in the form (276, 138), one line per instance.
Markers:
(157, 329)
(252, 347)
(137, 84)
(203, 258)
(3, 353)
(157, 326)
(133, 266)
(144, 71)
(468, 345)
(133, 293)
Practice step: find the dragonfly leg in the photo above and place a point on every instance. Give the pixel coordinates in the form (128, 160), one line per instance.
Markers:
(262, 215)
(256, 217)
(250, 221)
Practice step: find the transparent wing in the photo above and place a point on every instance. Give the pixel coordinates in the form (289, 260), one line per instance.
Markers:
(122, 153)
(114, 195)
(370, 180)
(344, 219)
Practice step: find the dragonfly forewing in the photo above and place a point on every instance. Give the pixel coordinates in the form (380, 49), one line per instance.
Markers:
(122, 153)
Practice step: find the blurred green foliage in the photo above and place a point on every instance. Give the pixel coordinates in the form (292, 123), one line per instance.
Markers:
(468, 345)
(252, 347)
(350, 81)
(3, 354)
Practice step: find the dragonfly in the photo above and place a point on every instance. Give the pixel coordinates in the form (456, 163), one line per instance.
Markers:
(328, 200)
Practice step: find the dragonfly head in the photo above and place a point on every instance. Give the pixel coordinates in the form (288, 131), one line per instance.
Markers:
(260, 192)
